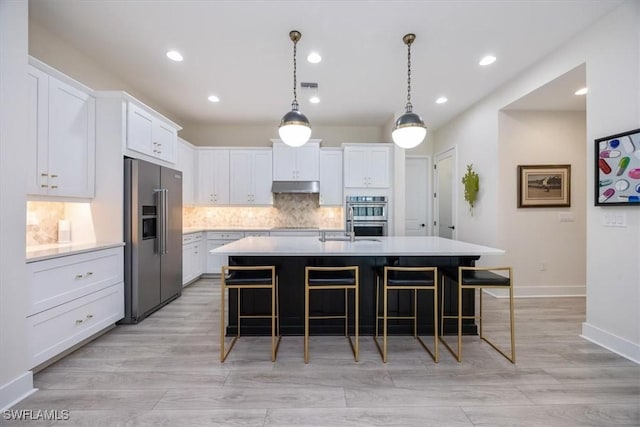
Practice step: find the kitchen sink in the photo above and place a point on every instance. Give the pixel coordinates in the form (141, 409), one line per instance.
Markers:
(346, 239)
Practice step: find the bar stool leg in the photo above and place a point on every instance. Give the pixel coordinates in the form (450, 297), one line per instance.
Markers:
(460, 318)
(385, 308)
(511, 320)
(306, 318)
(357, 312)
(222, 320)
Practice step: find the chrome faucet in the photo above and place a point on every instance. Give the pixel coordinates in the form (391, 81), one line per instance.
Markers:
(350, 232)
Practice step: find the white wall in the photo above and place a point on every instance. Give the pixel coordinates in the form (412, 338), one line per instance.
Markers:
(611, 51)
(15, 379)
(534, 138)
(260, 135)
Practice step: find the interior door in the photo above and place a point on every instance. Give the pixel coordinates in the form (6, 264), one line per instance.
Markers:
(444, 178)
(416, 196)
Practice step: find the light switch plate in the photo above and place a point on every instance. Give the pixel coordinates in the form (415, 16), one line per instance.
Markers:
(614, 220)
(565, 217)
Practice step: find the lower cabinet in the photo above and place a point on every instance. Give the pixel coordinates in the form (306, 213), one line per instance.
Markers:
(215, 239)
(192, 257)
(72, 298)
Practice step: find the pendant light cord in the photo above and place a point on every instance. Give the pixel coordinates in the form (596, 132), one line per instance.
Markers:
(409, 107)
(295, 83)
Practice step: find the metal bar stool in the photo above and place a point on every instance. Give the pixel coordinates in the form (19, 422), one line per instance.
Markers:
(406, 279)
(324, 278)
(253, 277)
(478, 278)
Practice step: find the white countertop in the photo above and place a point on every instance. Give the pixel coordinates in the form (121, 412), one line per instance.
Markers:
(191, 230)
(56, 250)
(386, 246)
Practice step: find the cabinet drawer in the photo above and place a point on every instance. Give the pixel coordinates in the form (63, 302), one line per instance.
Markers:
(56, 281)
(255, 233)
(190, 238)
(225, 235)
(53, 331)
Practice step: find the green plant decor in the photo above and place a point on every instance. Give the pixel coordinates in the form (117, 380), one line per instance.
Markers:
(471, 182)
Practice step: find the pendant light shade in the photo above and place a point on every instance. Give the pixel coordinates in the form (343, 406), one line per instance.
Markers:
(295, 129)
(409, 130)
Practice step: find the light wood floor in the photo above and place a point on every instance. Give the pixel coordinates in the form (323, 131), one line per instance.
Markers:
(165, 372)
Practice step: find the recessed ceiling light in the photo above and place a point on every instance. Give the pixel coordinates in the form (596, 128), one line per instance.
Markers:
(213, 98)
(487, 60)
(441, 100)
(314, 57)
(582, 91)
(314, 100)
(174, 55)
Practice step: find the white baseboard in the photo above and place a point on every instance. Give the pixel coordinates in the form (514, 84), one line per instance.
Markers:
(15, 390)
(623, 347)
(540, 292)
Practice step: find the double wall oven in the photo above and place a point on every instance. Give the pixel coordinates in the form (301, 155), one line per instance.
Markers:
(367, 215)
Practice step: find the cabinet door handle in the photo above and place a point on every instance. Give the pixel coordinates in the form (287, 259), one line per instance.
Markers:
(79, 276)
(89, 273)
(43, 185)
(79, 321)
(44, 174)
(89, 316)
(54, 176)
(54, 186)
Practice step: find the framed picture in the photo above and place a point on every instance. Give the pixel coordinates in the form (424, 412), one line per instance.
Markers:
(543, 186)
(617, 164)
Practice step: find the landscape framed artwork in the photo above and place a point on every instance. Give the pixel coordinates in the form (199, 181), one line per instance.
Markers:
(544, 186)
(617, 169)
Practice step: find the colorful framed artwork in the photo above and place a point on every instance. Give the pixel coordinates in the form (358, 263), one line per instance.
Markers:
(544, 186)
(617, 163)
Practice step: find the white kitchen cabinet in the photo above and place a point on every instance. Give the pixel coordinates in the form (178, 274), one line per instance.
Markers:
(250, 173)
(61, 137)
(331, 177)
(213, 177)
(151, 134)
(294, 233)
(215, 239)
(72, 298)
(193, 256)
(367, 166)
(296, 163)
(186, 165)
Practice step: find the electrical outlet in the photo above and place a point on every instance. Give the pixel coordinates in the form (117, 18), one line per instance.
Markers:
(543, 265)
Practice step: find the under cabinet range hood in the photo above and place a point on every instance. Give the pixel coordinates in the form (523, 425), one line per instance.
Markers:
(295, 187)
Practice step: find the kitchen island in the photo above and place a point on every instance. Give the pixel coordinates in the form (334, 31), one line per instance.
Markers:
(291, 254)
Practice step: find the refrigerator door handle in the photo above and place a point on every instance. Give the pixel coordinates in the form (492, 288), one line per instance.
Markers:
(163, 213)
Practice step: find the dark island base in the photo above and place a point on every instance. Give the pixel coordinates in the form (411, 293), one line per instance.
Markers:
(290, 271)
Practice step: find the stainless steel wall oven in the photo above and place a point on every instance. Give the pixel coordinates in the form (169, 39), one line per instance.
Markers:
(367, 215)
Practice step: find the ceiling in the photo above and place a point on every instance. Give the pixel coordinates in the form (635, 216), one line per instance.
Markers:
(241, 51)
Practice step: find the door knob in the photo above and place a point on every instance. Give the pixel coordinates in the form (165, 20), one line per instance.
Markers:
(452, 227)
(422, 225)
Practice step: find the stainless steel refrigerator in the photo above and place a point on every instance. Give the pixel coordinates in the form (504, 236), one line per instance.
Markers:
(153, 237)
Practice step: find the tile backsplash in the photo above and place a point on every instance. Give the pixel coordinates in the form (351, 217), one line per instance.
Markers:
(42, 222)
(288, 210)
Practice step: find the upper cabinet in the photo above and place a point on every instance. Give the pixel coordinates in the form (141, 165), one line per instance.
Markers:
(61, 136)
(151, 134)
(251, 172)
(367, 165)
(296, 163)
(212, 183)
(331, 177)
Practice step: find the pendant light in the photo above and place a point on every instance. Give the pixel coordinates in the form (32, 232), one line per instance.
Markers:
(294, 129)
(409, 129)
